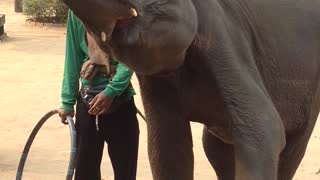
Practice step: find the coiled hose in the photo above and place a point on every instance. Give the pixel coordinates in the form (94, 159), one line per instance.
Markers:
(33, 134)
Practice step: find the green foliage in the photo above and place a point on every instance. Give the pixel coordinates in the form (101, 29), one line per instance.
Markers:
(45, 11)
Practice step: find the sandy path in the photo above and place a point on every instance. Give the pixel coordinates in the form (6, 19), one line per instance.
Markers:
(30, 79)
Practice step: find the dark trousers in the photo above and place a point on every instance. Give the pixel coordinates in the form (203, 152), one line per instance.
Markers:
(120, 130)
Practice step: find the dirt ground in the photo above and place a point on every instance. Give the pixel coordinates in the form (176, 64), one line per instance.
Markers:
(31, 69)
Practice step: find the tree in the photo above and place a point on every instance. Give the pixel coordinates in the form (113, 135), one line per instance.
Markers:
(18, 6)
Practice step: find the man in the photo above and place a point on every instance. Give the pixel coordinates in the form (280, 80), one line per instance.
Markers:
(114, 105)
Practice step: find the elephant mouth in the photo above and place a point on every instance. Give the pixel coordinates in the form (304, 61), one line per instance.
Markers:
(126, 33)
(123, 23)
(126, 21)
(122, 30)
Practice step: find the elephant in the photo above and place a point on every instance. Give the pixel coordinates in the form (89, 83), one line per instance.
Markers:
(248, 70)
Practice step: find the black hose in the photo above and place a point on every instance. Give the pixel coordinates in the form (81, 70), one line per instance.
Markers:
(73, 150)
(33, 134)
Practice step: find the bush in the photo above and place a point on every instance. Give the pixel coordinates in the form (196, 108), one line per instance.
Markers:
(45, 11)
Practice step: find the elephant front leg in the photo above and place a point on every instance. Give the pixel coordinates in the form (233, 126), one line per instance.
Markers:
(169, 133)
(170, 150)
(258, 140)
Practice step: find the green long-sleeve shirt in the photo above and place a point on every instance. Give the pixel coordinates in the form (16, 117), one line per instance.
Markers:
(76, 54)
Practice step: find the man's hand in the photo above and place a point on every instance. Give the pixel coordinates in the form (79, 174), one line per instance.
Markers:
(100, 104)
(63, 115)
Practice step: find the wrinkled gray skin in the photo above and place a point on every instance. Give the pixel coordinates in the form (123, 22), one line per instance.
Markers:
(248, 70)
(99, 60)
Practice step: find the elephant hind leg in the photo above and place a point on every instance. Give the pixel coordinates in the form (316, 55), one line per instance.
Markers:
(292, 155)
(220, 156)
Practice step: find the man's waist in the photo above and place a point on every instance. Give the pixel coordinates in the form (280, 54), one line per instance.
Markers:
(97, 88)
(93, 90)
(97, 81)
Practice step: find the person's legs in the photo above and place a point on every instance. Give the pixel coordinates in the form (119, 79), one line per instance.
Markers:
(89, 145)
(121, 130)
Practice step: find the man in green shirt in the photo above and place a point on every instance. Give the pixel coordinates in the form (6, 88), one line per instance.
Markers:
(119, 127)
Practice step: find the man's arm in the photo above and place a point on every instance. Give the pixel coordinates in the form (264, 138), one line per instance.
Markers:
(73, 58)
(119, 82)
(116, 87)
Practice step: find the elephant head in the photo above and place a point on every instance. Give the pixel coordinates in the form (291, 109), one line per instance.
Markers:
(149, 36)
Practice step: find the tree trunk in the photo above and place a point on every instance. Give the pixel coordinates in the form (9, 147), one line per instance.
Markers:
(18, 6)
(2, 21)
